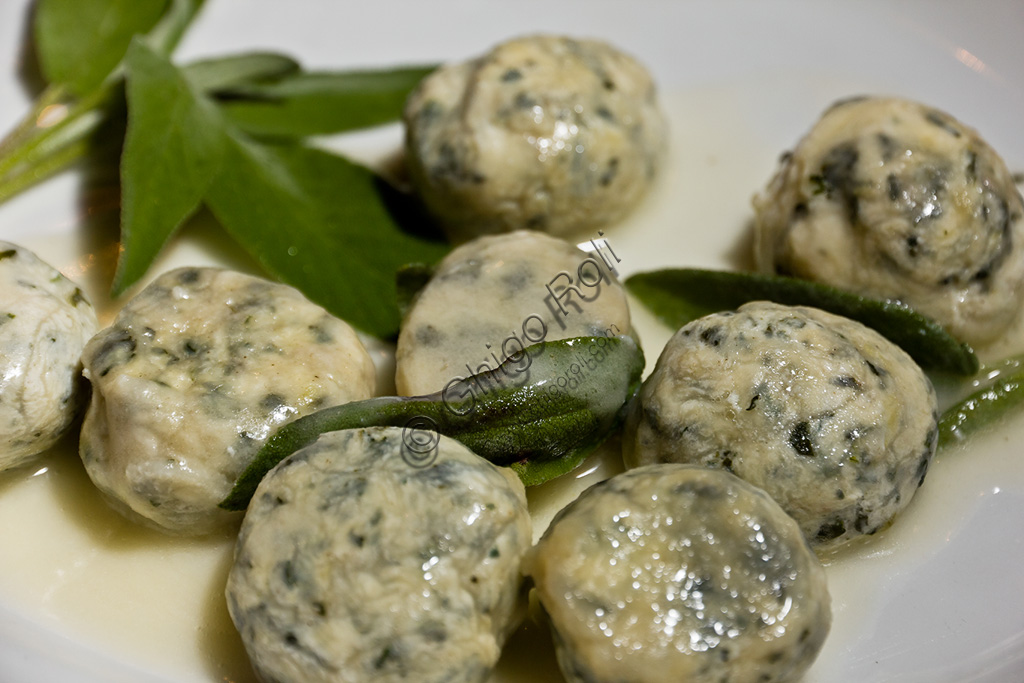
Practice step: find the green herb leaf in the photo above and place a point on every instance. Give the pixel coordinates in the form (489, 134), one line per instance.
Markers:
(312, 219)
(173, 148)
(81, 42)
(85, 81)
(319, 223)
(318, 103)
(986, 406)
(541, 413)
(678, 296)
(165, 35)
(211, 75)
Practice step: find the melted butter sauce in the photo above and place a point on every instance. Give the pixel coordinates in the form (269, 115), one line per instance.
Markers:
(74, 565)
(141, 596)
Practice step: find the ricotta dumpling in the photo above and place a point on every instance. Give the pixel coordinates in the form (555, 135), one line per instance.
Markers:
(542, 132)
(671, 573)
(190, 380)
(45, 321)
(897, 200)
(494, 296)
(836, 422)
(357, 562)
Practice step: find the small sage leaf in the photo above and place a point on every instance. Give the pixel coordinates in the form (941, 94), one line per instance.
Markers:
(165, 36)
(678, 296)
(81, 42)
(319, 103)
(319, 223)
(213, 75)
(541, 412)
(990, 404)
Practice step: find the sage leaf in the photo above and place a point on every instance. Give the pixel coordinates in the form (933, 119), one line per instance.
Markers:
(319, 103)
(540, 412)
(678, 296)
(1000, 397)
(174, 146)
(318, 222)
(164, 37)
(312, 219)
(81, 42)
(85, 80)
(212, 75)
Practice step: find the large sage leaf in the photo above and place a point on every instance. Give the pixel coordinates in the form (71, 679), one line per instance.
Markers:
(174, 145)
(80, 42)
(311, 218)
(318, 103)
(320, 223)
(678, 296)
(540, 413)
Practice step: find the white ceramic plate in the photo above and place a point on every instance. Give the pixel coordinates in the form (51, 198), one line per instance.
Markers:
(85, 597)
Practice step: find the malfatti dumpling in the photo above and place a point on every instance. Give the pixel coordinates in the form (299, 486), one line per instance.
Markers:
(193, 376)
(356, 563)
(833, 420)
(897, 200)
(543, 132)
(673, 572)
(45, 321)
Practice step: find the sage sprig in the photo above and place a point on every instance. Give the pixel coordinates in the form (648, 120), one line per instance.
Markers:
(680, 295)
(541, 412)
(228, 133)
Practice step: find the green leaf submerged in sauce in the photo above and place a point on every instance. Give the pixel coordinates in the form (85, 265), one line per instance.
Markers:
(999, 393)
(679, 295)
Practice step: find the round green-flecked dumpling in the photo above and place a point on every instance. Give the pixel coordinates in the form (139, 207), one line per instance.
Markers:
(542, 132)
(45, 321)
(497, 294)
(360, 560)
(894, 199)
(190, 380)
(834, 421)
(672, 572)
